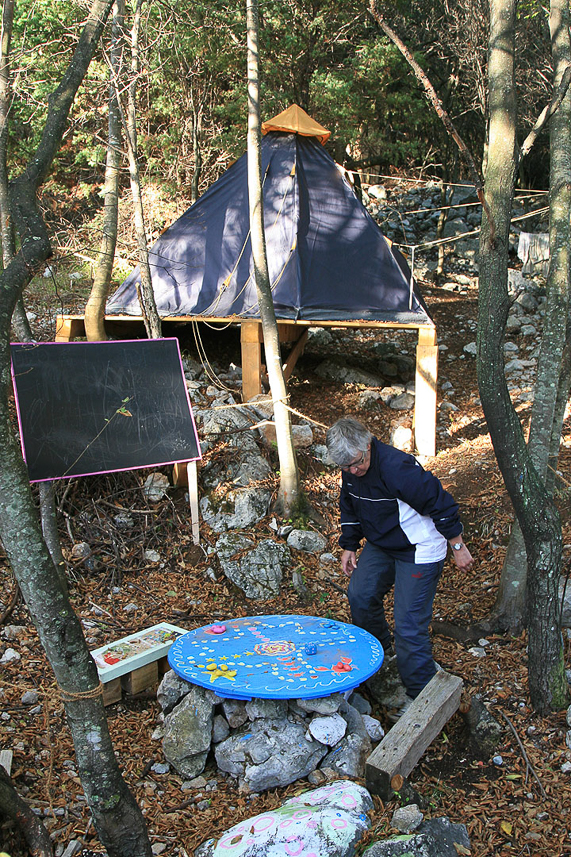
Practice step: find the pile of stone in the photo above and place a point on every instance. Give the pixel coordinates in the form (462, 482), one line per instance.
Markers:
(265, 743)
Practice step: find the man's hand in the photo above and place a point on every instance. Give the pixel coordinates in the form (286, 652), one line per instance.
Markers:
(348, 562)
(463, 558)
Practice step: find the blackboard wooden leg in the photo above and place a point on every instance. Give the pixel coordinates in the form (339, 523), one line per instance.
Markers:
(192, 472)
(425, 398)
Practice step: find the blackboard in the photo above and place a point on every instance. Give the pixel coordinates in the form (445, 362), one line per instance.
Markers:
(96, 407)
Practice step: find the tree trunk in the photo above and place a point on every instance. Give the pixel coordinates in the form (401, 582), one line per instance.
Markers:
(554, 366)
(129, 117)
(509, 611)
(546, 419)
(15, 809)
(289, 477)
(116, 815)
(50, 532)
(534, 508)
(20, 321)
(548, 686)
(95, 307)
(197, 151)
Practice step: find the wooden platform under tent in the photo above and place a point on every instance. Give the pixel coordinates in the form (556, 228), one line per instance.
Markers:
(70, 327)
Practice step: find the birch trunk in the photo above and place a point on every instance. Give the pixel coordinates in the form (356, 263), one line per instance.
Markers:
(95, 307)
(289, 478)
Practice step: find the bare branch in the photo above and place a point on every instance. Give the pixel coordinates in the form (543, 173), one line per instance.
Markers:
(438, 107)
(546, 114)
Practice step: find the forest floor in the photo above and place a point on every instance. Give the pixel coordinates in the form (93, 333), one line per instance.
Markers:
(521, 807)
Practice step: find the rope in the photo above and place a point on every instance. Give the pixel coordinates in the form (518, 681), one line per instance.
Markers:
(69, 696)
(204, 361)
(269, 401)
(454, 238)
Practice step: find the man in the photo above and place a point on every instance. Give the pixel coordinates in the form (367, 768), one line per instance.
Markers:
(408, 520)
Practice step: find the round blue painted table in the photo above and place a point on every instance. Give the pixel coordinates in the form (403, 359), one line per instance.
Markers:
(276, 657)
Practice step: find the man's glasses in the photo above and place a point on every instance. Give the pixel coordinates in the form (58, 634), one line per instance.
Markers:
(357, 463)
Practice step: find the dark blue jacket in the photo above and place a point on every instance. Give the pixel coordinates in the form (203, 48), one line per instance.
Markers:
(398, 506)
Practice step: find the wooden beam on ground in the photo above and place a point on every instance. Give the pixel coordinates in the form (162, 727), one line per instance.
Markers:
(425, 392)
(408, 739)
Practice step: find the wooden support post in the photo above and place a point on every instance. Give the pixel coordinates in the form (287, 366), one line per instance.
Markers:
(6, 760)
(425, 392)
(112, 691)
(294, 354)
(179, 474)
(251, 336)
(405, 743)
(68, 328)
(141, 678)
(186, 474)
(192, 472)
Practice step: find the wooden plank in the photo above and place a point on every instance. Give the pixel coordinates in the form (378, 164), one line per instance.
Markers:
(69, 327)
(425, 393)
(298, 322)
(112, 691)
(408, 739)
(179, 474)
(141, 679)
(294, 354)
(6, 760)
(192, 475)
(163, 666)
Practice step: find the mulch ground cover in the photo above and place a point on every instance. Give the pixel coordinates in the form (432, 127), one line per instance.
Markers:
(519, 805)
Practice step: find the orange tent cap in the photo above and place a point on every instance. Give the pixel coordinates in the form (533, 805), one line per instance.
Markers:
(294, 120)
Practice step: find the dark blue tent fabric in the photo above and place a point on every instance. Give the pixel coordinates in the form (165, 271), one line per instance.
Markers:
(327, 258)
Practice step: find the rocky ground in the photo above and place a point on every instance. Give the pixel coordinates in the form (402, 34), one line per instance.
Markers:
(143, 568)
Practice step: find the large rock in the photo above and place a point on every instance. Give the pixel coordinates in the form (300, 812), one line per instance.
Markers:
(349, 756)
(338, 371)
(484, 731)
(257, 572)
(437, 837)
(237, 510)
(171, 690)
(327, 821)
(307, 540)
(238, 466)
(302, 435)
(321, 705)
(188, 732)
(235, 712)
(269, 753)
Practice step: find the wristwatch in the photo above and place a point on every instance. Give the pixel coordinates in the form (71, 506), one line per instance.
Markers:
(457, 546)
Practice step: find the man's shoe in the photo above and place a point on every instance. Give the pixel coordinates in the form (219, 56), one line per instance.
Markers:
(395, 715)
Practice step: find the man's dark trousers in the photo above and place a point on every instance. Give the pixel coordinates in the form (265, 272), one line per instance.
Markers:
(414, 591)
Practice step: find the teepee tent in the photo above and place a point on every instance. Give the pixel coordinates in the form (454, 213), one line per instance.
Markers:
(328, 259)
